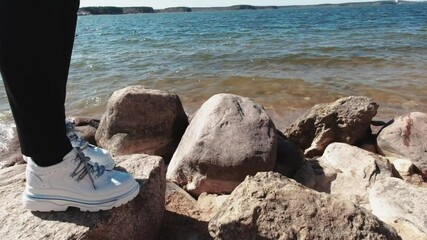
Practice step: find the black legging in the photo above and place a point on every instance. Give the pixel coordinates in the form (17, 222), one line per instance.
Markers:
(36, 41)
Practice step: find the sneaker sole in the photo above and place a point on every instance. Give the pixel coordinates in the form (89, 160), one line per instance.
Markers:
(43, 203)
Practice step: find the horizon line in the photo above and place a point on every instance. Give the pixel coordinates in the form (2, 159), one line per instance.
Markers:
(293, 5)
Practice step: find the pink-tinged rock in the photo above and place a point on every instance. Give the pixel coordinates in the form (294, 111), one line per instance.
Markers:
(139, 120)
(139, 219)
(406, 137)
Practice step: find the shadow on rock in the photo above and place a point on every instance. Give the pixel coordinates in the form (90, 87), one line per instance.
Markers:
(74, 215)
(181, 227)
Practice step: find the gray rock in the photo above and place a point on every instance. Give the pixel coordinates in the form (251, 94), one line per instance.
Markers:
(357, 171)
(316, 175)
(345, 120)
(139, 120)
(406, 137)
(229, 137)
(139, 219)
(394, 200)
(271, 206)
(79, 121)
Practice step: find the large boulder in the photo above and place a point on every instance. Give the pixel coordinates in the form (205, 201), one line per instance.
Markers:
(402, 205)
(229, 138)
(346, 120)
(139, 219)
(406, 137)
(139, 120)
(357, 170)
(271, 206)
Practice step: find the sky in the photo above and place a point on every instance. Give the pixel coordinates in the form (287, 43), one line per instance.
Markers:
(203, 3)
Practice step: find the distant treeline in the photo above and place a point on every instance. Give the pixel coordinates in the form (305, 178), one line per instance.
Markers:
(235, 7)
(127, 10)
(114, 10)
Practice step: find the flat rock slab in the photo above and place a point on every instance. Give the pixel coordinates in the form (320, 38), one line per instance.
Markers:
(357, 170)
(139, 219)
(394, 200)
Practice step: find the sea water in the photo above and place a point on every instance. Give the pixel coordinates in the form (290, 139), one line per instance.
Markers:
(286, 59)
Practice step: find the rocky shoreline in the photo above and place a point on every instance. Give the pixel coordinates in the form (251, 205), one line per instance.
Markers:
(228, 172)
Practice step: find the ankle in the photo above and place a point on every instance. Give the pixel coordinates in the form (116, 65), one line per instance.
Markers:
(39, 164)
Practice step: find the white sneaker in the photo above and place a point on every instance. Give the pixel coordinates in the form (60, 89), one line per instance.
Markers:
(96, 154)
(75, 182)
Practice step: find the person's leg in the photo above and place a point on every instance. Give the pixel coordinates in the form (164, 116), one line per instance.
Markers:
(36, 40)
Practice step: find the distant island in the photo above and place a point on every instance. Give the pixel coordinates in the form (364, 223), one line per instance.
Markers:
(131, 10)
(127, 10)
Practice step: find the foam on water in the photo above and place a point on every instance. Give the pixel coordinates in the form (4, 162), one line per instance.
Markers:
(6, 135)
